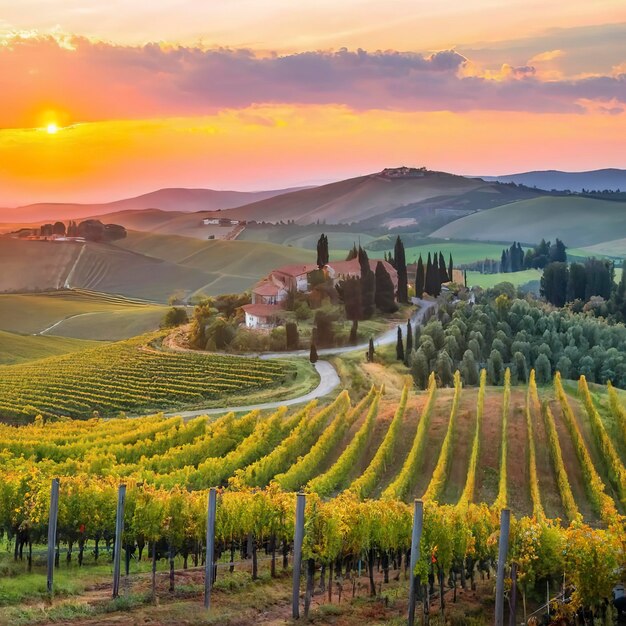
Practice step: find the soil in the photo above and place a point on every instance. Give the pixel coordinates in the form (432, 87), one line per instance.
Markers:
(487, 476)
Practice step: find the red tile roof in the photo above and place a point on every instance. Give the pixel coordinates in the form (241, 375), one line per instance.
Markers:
(296, 270)
(267, 288)
(263, 310)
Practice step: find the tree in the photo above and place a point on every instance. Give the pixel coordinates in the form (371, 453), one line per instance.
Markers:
(349, 291)
(58, 228)
(371, 351)
(409, 342)
(313, 353)
(554, 283)
(419, 278)
(292, 336)
(384, 292)
(368, 286)
(353, 253)
(322, 251)
(400, 265)
(543, 369)
(419, 368)
(557, 252)
(519, 365)
(443, 272)
(354, 329)
(174, 317)
(443, 367)
(324, 331)
(399, 346)
(495, 368)
(469, 368)
(576, 282)
(450, 268)
(436, 277)
(599, 281)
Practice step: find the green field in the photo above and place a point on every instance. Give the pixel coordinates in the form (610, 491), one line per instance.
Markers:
(475, 279)
(579, 222)
(16, 348)
(462, 252)
(79, 314)
(614, 248)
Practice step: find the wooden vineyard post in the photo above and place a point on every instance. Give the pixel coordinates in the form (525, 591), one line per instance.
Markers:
(416, 535)
(513, 594)
(210, 547)
(298, 538)
(52, 531)
(503, 548)
(119, 531)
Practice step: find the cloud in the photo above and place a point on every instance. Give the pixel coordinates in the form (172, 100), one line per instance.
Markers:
(89, 80)
(546, 57)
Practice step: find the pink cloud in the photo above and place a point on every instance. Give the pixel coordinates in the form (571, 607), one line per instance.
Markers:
(99, 81)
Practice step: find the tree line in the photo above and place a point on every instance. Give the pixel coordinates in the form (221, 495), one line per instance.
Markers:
(503, 331)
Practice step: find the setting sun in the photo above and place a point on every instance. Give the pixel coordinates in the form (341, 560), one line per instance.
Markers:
(52, 128)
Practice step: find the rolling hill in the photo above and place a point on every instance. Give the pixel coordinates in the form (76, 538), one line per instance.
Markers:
(611, 178)
(577, 221)
(146, 266)
(379, 198)
(168, 199)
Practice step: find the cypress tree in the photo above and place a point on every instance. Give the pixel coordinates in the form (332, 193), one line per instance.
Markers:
(353, 253)
(322, 251)
(313, 353)
(368, 285)
(436, 281)
(400, 264)
(450, 268)
(409, 343)
(443, 272)
(503, 262)
(384, 296)
(419, 278)
(428, 281)
(354, 329)
(371, 351)
(399, 346)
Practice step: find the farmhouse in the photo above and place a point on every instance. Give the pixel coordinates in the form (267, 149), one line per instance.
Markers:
(270, 294)
(262, 315)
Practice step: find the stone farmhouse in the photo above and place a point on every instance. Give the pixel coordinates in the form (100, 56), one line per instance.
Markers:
(270, 294)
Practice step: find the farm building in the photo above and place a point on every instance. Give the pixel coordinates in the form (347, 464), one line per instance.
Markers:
(262, 315)
(270, 294)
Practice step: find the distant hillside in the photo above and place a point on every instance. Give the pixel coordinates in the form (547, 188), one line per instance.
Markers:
(378, 199)
(577, 221)
(169, 199)
(144, 265)
(612, 179)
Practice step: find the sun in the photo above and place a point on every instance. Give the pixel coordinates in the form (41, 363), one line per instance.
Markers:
(52, 128)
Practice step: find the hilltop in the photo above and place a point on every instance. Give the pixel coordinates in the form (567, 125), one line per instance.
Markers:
(610, 178)
(373, 196)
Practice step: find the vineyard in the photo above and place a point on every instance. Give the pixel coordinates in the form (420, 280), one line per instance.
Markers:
(129, 376)
(554, 455)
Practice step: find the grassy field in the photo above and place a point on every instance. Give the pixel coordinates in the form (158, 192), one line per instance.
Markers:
(16, 348)
(475, 279)
(615, 248)
(79, 314)
(579, 222)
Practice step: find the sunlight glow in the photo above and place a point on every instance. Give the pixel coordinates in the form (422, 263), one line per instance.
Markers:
(52, 128)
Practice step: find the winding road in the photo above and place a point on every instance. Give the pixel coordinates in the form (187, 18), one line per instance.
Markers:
(329, 378)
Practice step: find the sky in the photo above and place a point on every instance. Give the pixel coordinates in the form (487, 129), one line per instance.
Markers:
(103, 100)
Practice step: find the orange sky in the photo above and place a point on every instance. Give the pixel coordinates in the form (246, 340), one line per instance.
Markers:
(261, 102)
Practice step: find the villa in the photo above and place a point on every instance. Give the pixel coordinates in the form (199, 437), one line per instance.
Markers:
(270, 294)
